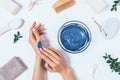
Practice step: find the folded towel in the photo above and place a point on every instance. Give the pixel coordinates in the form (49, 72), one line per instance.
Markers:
(12, 69)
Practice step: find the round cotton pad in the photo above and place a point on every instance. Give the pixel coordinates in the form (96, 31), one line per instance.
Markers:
(74, 37)
(111, 27)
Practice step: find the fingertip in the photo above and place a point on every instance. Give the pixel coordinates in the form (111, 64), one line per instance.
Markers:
(40, 49)
(33, 29)
(33, 25)
(34, 22)
(37, 26)
(44, 48)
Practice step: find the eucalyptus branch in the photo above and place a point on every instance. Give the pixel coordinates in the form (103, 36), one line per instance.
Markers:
(113, 63)
(17, 37)
(114, 6)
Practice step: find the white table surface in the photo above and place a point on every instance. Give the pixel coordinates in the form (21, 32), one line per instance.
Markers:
(83, 63)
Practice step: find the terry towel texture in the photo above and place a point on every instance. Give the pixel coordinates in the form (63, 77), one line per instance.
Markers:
(12, 69)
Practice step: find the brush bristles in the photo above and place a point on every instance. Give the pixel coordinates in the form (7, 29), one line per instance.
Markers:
(63, 5)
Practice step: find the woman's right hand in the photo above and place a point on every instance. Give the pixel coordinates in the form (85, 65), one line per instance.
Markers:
(55, 62)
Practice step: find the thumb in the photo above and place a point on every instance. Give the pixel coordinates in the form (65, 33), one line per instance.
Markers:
(48, 67)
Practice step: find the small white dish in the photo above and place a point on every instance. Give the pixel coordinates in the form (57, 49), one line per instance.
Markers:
(111, 28)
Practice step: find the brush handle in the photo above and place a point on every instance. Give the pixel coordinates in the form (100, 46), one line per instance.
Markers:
(4, 30)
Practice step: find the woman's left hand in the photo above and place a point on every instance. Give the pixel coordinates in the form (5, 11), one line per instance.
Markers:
(35, 33)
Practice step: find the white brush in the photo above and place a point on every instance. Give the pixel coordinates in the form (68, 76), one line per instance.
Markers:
(12, 25)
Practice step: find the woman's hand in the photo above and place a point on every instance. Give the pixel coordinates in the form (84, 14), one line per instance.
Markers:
(35, 33)
(55, 62)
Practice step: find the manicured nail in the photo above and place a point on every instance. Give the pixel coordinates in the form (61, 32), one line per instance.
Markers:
(40, 49)
(38, 52)
(34, 29)
(44, 48)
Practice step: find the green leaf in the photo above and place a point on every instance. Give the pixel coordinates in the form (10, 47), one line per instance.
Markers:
(109, 56)
(116, 59)
(114, 6)
(17, 36)
(113, 63)
(105, 54)
(116, 70)
(118, 63)
(112, 9)
(18, 33)
(108, 61)
(20, 36)
(116, 1)
(105, 57)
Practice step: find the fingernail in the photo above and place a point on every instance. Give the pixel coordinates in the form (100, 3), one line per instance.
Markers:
(44, 48)
(40, 49)
(34, 29)
(38, 52)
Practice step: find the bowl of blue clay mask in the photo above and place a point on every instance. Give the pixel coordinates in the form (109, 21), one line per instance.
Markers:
(74, 37)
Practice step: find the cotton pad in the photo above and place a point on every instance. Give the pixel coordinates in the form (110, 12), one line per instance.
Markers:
(97, 5)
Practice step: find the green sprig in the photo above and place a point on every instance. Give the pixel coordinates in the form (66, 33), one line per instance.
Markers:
(114, 6)
(17, 36)
(113, 63)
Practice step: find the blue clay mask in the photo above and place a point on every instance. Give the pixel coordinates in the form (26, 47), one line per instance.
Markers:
(74, 37)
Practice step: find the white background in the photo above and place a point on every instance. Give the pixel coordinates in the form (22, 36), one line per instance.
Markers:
(83, 63)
